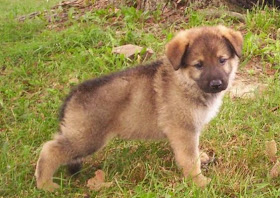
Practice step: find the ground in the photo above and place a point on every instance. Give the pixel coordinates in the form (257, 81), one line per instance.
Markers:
(43, 57)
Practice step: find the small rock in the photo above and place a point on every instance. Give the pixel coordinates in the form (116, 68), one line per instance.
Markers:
(129, 51)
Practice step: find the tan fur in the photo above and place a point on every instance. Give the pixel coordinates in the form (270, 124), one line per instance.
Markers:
(172, 98)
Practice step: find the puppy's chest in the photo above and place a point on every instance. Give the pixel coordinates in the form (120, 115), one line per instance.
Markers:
(206, 114)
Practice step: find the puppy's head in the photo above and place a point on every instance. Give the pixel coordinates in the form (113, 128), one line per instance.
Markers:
(207, 55)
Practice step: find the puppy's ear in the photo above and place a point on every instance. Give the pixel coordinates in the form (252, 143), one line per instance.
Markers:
(176, 49)
(233, 38)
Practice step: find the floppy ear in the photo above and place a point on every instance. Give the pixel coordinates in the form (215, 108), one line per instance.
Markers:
(234, 38)
(176, 49)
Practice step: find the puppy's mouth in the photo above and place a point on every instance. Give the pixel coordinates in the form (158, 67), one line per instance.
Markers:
(214, 90)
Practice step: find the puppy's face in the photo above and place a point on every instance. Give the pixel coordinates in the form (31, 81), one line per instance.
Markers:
(207, 55)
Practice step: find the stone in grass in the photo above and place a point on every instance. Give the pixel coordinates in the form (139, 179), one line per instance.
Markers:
(129, 51)
(98, 181)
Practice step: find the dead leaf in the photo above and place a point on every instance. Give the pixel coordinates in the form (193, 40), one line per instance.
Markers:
(98, 181)
(275, 108)
(130, 50)
(74, 80)
(271, 150)
(274, 172)
(100, 44)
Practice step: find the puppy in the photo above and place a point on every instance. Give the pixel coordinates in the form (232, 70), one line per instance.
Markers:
(171, 98)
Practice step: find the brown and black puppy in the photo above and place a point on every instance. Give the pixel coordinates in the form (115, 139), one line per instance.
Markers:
(171, 98)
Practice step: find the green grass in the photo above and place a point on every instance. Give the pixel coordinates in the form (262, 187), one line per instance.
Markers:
(38, 67)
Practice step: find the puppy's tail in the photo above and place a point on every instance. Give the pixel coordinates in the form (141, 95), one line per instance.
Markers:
(74, 167)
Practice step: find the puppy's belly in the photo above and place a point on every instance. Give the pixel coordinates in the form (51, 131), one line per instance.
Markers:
(138, 128)
(141, 134)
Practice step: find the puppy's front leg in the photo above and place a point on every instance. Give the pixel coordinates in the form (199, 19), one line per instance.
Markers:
(185, 146)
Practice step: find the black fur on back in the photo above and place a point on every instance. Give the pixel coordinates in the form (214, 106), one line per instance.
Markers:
(93, 84)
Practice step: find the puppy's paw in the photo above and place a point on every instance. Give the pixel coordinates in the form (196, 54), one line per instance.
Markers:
(201, 181)
(48, 186)
(204, 158)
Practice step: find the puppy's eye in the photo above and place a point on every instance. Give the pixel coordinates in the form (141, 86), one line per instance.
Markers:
(222, 60)
(198, 66)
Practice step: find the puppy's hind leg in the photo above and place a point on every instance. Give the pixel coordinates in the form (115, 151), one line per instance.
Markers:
(64, 150)
(54, 153)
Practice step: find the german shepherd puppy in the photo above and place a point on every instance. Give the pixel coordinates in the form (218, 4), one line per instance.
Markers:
(171, 98)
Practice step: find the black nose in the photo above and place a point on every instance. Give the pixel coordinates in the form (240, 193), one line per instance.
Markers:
(216, 84)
